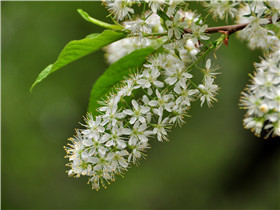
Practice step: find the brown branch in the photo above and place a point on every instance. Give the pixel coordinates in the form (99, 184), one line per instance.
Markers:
(230, 29)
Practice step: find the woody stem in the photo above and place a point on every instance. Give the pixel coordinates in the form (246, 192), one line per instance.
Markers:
(230, 29)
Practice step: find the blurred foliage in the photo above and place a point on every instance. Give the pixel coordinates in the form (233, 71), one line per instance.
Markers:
(210, 163)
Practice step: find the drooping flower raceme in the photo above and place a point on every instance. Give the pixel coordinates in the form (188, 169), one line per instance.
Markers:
(160, 93)
(120, 135)
(262, 98)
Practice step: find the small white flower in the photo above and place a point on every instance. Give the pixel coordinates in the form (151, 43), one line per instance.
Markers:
(127, 89)
(189, 51)
(118, 162)
(155, 5)
(172, 6)
(179, 112)
(150, 78)
(138, 112)
(112, 116)
(222, 9)
(114, 138)
(254, 124)
(83, 168)
(197, 32)
(120, 8)
(210, 69)
(177, 74)
(176, 27)
(251, 103)
(162, 102)
(269, 63)
(137, 152)
(190, 17)
(94, 127)
(275, 10)
(138, 27)
(208, 91)
(102, 164)
(160, 128)
(138, 133)
(185, 95)
(156, 62)
(175, 44)
(110, 103)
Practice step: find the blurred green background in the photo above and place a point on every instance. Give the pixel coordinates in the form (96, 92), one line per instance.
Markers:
(210, 163)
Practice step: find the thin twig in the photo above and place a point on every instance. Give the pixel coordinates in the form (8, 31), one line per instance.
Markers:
(230, 29)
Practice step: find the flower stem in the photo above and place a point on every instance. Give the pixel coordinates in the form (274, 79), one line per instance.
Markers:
(216, 44)
(193, 84)
(155, 34)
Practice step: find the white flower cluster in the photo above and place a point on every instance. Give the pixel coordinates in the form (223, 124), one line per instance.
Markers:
(186, 45)
(262, 99)
(121, 48)
(121, 133)
(222, 8)
(258, 14)
(124, 8)
(150, 102)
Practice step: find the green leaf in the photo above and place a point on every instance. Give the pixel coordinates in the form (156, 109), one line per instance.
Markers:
(116, 74)
(77, 49)
(91, 36)
(42, 75)
(86, 16)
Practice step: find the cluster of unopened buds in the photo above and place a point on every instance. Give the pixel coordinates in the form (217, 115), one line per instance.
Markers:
(158, 95)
